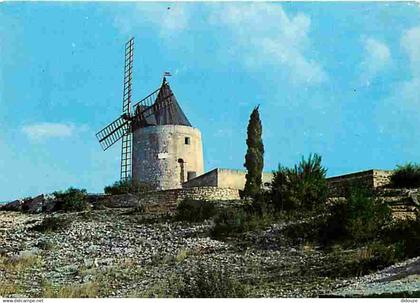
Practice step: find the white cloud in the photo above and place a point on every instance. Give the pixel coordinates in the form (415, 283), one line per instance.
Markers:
(261, 33)
(265, 34)
(377, 57)
(46, 130)
(169, 18)
(408, 92)
(399, 114)
(410, 42)
(406, 95)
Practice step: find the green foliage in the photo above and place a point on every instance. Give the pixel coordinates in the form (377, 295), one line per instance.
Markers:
(72, 199)
(303, 186)
(52, 224)
(254, 158)
(406, 234)
(364, 260)
(124, 187)
(204, 282)
(194, 210)
(45, 244)
(304, 231)
(407, 175)
(234, 220)
(365, 217)
(360, 219)
(261, 203)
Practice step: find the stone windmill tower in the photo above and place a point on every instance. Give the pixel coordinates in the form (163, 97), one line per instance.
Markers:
(159, 145)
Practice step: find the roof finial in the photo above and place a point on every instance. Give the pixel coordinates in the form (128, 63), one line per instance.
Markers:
(166, 74)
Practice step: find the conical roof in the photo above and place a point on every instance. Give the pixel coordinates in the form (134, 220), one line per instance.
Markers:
(165, 110)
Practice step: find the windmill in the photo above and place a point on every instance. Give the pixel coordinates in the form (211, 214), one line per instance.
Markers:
(158, 108)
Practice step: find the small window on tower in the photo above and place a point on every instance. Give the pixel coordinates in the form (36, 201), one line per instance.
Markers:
(187, 140)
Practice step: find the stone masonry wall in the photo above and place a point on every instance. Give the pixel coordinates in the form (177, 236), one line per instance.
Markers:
(225, 178)
(168, 199)
(207, 179)
(371, 179)
(381, 178)
(165, 156)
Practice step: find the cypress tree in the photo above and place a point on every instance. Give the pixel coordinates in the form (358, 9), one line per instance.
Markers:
(254, 158)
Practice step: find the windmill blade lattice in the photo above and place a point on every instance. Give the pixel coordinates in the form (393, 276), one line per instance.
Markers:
(127, 136)
(113, 132)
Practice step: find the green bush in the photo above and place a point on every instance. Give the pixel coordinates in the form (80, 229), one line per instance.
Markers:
(302, 187)
(406, 234)
(407, 175)
(236, 220)
(204, 282)
(194, 210)
(365, 216)
(360, 219)
(362, 261)
(124, 187)
(304, 231)
(262, 203)
(52, 224)
(357, 220)
(72, 199)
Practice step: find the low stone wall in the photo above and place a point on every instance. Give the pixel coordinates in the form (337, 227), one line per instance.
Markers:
(168, 199)
(116, 201)
(370, 179)
(225, 178)
(207, 179)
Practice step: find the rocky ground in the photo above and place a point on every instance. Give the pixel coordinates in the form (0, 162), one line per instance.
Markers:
(120, 253)
(399, 280)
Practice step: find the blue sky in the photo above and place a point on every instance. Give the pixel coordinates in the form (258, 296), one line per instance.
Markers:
(339, 79)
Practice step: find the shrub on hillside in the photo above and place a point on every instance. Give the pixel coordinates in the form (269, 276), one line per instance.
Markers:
(72, 199)
(51, 224)
(261, 203)
(364, 260)
(406, 234)
(203, 282)
(194, 210)
(366, 216)
(235, 220)
(407, 175)
(357, 220)
(303, 186)
(124, 187)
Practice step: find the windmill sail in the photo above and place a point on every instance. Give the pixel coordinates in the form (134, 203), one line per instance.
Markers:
(113, 132)
(125, 172)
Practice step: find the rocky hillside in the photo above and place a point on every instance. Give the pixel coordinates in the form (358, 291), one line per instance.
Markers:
(114, 253)
(122, 253)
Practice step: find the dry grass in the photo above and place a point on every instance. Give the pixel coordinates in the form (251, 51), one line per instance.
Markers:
(17, 264)
(14, 267)
(8, 288)
(182, 255)
(308, 247)
(85, 290)
(162, 289)
(363, 254)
